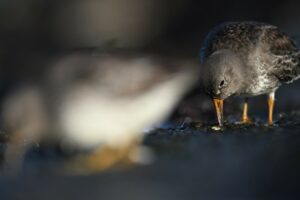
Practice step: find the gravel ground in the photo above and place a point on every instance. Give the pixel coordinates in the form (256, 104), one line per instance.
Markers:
(254, 162)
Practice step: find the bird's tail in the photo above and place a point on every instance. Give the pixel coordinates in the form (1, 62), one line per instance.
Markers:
(288, 69)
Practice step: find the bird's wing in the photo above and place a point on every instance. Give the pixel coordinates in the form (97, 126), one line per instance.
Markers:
(284, 55)
(238, 37)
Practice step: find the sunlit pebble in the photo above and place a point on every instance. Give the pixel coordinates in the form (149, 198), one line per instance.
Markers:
(216, 128)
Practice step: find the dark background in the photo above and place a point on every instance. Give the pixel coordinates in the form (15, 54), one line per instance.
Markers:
(65, 23)
(255, 163)
(177, 26)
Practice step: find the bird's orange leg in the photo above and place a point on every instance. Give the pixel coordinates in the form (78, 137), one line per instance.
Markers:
(245, 118)
(271, 102)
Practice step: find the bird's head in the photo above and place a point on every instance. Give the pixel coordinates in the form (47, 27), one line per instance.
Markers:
(222, 77)
(222, 74)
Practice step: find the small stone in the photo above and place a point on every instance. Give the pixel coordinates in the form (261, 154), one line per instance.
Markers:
(216, 128)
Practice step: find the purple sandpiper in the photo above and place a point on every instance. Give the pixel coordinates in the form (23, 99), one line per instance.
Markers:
(247, 59)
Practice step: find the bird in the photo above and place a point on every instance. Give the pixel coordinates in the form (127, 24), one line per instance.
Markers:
(98, 103)
(247, 59)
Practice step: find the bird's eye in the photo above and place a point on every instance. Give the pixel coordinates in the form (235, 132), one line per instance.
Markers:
(222, 83)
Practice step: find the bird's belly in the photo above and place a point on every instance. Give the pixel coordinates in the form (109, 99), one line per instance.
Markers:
(90, 122)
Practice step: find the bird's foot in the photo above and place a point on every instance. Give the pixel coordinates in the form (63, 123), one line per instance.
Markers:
(245, 121)
(106, 158)
(99, 160)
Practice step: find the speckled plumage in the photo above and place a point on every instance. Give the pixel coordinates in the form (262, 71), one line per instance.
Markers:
(270, 57)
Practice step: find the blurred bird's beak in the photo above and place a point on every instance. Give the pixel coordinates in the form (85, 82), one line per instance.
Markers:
(218, 103)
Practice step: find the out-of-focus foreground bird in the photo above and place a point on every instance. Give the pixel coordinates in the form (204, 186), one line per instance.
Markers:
(247, 59)
(98, 103)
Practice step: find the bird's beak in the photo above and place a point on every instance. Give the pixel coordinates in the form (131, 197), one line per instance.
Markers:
(218, 103)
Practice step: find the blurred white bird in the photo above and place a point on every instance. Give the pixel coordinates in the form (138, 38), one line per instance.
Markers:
(100, 103)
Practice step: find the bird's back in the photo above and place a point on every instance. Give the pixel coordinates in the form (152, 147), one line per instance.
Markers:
(239, 37)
